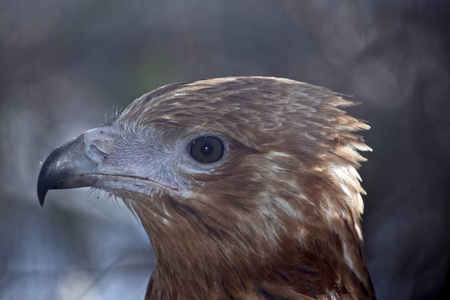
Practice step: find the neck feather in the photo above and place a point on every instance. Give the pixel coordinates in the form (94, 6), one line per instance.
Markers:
(272, 253)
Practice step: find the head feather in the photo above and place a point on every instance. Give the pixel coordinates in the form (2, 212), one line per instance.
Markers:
(288, 188)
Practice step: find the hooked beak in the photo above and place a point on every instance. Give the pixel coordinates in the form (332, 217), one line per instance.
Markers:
(78, 163)
(66, 167)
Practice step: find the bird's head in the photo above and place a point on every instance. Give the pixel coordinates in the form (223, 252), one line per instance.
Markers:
(226, 172)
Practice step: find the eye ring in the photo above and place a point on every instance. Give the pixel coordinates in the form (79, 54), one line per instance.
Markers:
(207, 149)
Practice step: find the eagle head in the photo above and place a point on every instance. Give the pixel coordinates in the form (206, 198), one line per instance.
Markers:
(246, 186)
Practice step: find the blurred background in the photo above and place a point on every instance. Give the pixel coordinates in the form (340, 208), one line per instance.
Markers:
(66, 66)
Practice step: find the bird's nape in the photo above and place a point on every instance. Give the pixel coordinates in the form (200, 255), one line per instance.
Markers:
(247, 187)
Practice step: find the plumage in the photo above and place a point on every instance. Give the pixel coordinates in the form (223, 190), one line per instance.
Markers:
(247, 187)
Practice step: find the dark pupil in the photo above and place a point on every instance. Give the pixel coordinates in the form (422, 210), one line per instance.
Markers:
(206, 149)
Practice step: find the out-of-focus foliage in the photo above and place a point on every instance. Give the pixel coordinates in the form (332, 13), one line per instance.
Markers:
(65, 64)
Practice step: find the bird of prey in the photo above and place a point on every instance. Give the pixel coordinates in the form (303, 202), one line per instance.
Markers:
(246, 186)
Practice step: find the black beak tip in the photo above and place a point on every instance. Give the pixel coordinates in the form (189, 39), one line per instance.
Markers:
(42, 189)
(41, 196)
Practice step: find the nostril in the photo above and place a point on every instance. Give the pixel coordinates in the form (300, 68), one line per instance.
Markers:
(98, 144)
(95, 153)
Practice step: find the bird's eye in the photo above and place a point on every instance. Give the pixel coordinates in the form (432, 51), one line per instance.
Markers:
(206, 149)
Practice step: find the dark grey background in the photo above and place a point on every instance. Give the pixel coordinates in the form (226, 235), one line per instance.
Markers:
(67, 64)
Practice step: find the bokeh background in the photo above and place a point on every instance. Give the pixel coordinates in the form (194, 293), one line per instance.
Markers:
(66, 66)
